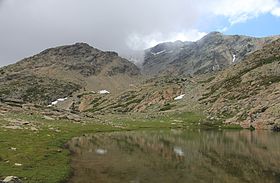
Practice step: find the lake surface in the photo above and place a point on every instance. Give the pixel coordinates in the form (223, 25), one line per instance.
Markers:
(226, 156)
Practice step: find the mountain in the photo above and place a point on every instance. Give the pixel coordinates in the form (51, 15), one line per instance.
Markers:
(248, 93)
(242, 91)
(134, 56)
(213, 52)
(60, 72)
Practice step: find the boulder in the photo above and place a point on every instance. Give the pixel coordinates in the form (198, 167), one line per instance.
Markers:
(74, 117)
(11, 179)
(48, 118)
(276, 128)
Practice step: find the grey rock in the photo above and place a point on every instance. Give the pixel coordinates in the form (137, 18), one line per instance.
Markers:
(213, 52)
(276, 128)
(12, 179)
(48, 118)
(74, 117)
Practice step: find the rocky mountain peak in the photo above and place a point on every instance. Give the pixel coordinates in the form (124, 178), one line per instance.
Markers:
(212, 37)
(77, 49)
(79, 57)
(59, 72)
(166, 46)
(214, 34)
(211, 53)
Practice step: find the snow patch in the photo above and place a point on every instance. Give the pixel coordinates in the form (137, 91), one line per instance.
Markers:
(157, 53)
(216, 67)
(58, 100)
(233, 58)
(178, 151)
(54, 102)
(101, 151)
(180, 97)
(62, 99)
(103, 92)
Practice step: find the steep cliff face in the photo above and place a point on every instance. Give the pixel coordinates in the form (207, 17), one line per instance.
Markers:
(61, 71)
(213, 52)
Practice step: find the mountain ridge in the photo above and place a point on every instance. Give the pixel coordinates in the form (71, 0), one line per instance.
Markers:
(213, 52)
(244, 93)
(78, 65)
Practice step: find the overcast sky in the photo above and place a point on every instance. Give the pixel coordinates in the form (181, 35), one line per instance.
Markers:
(30, 26)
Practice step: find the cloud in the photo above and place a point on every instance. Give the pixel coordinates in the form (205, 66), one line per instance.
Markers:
(238, 11)
(140, 42)
(276, 12)
(30, 26)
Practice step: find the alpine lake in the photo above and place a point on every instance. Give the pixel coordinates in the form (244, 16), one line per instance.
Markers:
(176, 155)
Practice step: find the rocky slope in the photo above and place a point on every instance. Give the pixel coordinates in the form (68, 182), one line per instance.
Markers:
(248, 93)
(150, 96)
(213, 52)
(153, 97)
(61, 71)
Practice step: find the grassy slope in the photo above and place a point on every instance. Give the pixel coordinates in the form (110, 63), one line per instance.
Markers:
(43, 155)
(248, 92)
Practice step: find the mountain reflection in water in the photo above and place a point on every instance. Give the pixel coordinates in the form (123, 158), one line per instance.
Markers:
(177, 156)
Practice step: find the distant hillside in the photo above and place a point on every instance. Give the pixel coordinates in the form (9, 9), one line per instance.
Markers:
(61, 71)
(244, 89)
(213, 52)
(150, 96)
(248, 93)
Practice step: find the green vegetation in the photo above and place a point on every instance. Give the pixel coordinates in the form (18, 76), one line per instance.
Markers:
(175, 120)
(270, 80)
(134, 101)
(39, 90)
(96, 102)
(207, 80)
(232, 126)
(167, 107)
(233, 82)
(42, 153)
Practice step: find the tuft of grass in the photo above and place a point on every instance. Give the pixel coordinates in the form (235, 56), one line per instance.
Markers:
(232, 126)
(167, 107)
(270, 80)
(207, 80)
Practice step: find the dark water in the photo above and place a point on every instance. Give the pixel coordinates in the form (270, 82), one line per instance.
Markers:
(177, 156)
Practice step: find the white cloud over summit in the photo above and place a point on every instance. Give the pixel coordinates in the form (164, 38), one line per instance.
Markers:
(238, 11)
(235, 11)
(138, 42)
(29, 26)
(276, 11)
